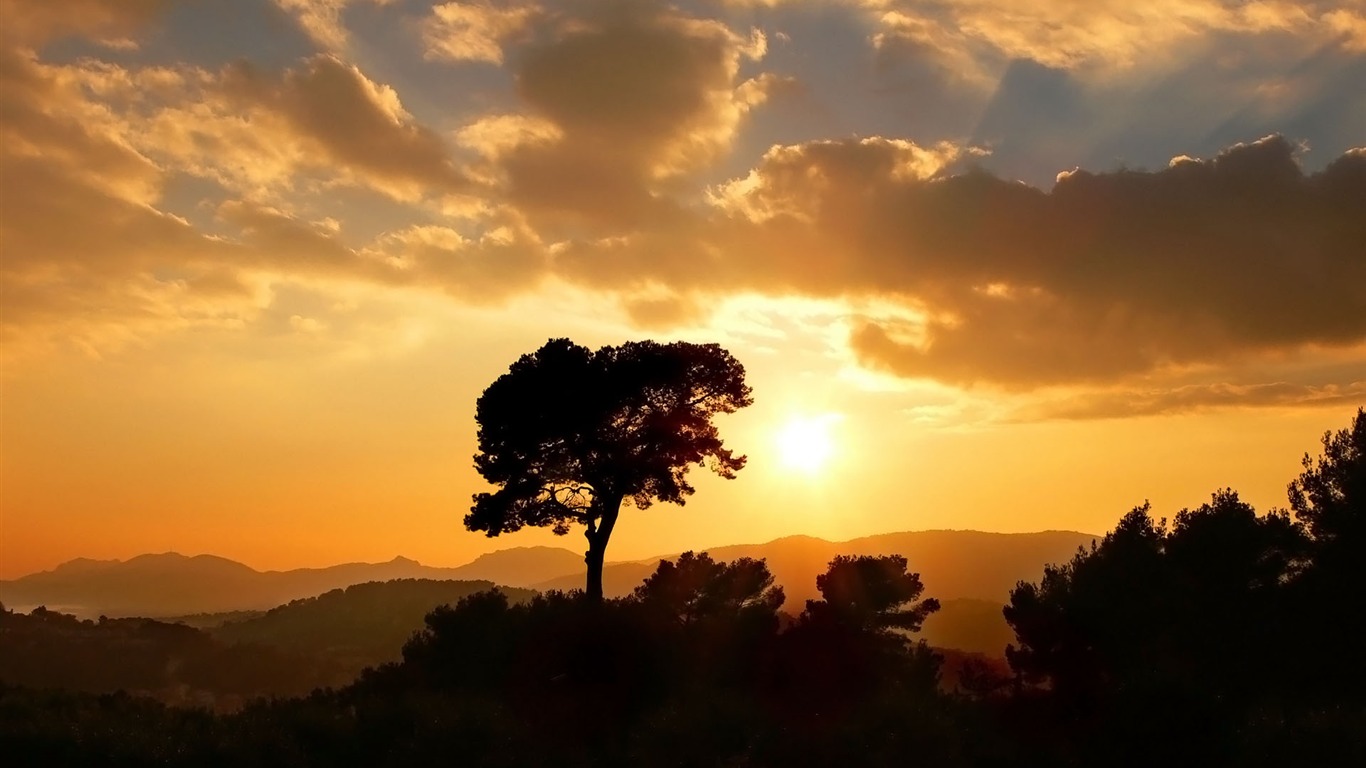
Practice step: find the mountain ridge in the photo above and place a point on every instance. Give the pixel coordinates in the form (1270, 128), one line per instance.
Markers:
(955, 564)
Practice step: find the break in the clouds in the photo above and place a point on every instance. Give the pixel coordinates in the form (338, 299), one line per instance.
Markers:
(984, 186)
(322, 20)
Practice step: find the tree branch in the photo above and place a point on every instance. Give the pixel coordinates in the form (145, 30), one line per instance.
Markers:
(583, 493)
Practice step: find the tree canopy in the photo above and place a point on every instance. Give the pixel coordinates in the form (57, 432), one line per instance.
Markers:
(1195, 603)
(695, 588)
(872, 593)
(569, 433)
(1329, 497)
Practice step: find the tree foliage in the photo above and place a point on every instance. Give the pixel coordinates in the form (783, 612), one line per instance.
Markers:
(568, 434)
(695, 588)
(1329, 497)
(1192, 604)
(873, 593)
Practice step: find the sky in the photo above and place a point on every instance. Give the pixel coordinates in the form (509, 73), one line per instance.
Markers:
(1005, 265)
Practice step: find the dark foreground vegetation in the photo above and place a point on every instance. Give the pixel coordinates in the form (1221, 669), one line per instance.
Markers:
(1221, 638)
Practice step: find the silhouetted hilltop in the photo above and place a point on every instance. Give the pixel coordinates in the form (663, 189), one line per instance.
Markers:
(172, 584)
(952, 564)
(520, 566)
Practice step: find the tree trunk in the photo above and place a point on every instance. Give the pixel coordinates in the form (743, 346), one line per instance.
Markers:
(597, 536)
(597, 550)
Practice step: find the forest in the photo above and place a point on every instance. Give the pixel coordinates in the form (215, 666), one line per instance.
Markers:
(1222, 636)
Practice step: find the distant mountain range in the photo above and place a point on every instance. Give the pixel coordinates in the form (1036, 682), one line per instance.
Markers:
(954, 565)
(172, 584)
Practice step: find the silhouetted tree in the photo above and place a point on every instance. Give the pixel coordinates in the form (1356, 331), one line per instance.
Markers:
(568, 434)
(856, 640)
(468, 645)
(872, 593)
(1057, 620)
(1329, 497)
(1188, 621)
(1229, 570)
(695, 587)
(1199, 603)
(717, 622)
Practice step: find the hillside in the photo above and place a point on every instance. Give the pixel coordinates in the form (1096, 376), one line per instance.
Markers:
(289, 650)
(975, 626)
(362, 625)
(173, 663)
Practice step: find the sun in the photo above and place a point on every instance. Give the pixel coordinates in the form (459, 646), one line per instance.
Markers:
(805, 443)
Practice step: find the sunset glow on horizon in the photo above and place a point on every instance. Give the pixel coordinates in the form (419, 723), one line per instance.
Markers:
(988, 265)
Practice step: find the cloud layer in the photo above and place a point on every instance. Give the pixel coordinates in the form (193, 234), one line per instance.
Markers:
(666, 157)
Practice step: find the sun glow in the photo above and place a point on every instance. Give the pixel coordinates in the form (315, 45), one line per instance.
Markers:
(805, 443)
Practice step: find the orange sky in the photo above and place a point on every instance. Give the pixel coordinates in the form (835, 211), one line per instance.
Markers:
(258, 258)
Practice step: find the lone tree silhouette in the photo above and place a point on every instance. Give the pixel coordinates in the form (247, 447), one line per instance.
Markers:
(568, 434)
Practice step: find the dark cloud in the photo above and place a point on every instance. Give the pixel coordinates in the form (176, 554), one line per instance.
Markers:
(34, 22)
(1106, 276)
(1130, 272)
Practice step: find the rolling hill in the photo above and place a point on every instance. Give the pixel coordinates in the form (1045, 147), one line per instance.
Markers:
(362, 625)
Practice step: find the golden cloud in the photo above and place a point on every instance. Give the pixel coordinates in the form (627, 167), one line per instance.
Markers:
(1106, 277)
(506, 258)
(377, 139)
(475, 31)
(1104, 33)
(629, 95)
(597, 180)
(322, 21)
(91, 256)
